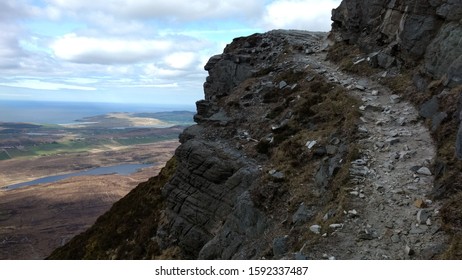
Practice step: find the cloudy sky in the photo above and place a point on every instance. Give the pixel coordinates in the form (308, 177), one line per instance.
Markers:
(138, 51)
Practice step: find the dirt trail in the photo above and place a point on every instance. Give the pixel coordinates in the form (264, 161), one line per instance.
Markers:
(391, 217)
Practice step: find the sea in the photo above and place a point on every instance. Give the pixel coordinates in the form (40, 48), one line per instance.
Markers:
(46, 112)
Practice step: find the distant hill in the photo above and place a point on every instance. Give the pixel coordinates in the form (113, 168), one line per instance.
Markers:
(178, 117)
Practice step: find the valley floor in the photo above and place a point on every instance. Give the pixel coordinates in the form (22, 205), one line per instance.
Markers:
(35, 220)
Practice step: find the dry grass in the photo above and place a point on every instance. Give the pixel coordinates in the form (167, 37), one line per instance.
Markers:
(321, 112)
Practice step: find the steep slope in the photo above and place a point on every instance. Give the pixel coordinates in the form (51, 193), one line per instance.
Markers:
(297, 157)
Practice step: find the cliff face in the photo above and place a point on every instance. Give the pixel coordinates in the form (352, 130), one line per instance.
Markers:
(232, 172)
(410, 32)
(422, 35)
(293, 158)
(272, 136)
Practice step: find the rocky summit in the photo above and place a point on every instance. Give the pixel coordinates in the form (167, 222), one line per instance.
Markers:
(340, 145)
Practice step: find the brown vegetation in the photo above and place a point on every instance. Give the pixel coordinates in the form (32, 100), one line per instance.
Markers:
(35, 220)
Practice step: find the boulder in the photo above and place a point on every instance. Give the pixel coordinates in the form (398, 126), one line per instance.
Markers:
(429, 108)
(302, 215)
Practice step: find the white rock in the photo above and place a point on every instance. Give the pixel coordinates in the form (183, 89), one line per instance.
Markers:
(316, 229)
(424, 171)
(353, 212)
(335, 226)
(310, 144)
(362, 129)
(395, 98)
(359, 61)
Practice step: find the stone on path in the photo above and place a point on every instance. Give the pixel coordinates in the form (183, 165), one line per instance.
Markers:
(424, 171)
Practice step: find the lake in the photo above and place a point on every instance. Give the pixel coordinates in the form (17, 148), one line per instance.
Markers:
(121, 169)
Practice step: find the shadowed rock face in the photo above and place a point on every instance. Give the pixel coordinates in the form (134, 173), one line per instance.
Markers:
(204, 190)
(409, 30)
(412, 33)
(210, 209)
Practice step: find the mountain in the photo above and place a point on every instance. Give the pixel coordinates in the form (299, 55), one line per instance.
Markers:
(308, 145)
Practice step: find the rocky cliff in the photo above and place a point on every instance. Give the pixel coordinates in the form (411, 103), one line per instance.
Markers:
(294, 156)
(406, 32)
(419, 44)
(424, 36)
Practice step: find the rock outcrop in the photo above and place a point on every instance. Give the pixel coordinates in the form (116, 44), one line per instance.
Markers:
(251, 96)
(408, 32)
(423, 35)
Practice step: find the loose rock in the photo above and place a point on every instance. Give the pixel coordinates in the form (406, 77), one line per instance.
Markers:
(424, 171)
(280, 246)
(408, 251)
(419, 203)
(315, 229)
(422, 216)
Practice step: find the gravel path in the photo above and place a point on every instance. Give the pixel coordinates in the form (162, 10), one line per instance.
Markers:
(391, 217)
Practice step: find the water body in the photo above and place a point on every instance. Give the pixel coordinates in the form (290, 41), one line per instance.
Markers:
(45, 112)
(121, 169)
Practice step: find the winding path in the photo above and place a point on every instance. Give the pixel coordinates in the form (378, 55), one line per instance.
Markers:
(391, 217)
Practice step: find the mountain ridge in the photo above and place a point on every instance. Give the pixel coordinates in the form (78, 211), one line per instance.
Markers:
(291, 154)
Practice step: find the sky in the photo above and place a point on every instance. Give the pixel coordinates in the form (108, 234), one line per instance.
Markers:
(131, 51)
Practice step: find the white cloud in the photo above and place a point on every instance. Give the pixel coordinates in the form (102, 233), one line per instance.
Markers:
(140, 44)
(313, 15)
(172, 85)
(41, 85)
(181, 60)
(13, 9)
(82, 81)
(15, 95)
(90, 50)
(176, 10)
(156, 72)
